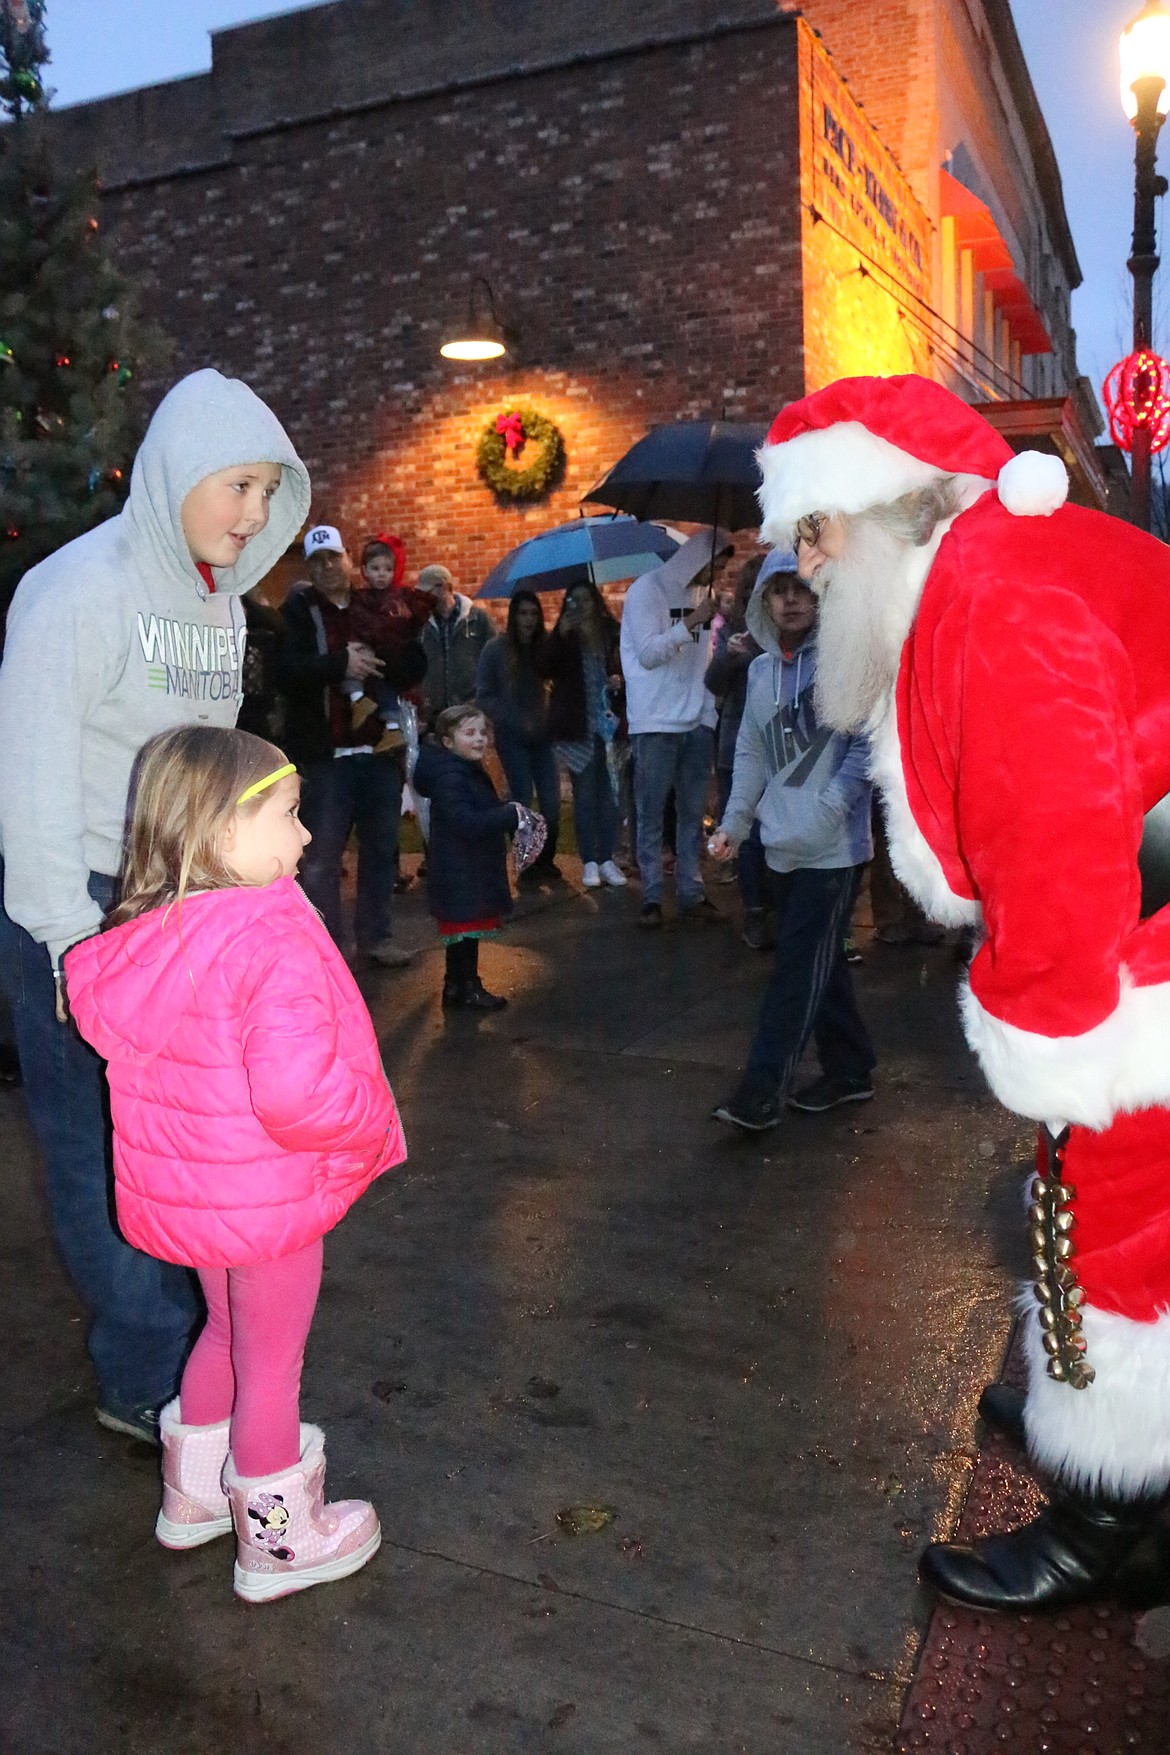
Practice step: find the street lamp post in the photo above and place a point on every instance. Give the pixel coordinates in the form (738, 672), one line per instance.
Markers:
(1145, 96)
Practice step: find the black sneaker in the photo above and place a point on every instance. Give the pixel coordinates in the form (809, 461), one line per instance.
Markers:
(755, 930)
(700, 913)
(750, 1115)
(825, 1093)
(139, 1423)
(650, 915)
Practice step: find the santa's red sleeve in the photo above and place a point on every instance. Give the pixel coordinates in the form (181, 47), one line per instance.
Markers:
(1068, 1001)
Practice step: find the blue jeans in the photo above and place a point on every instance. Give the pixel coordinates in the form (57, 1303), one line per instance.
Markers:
(663, 759)
(531, 768)
(811, 989)
(362, 793)
(595, 812)
(750, 866)
(143, 1311)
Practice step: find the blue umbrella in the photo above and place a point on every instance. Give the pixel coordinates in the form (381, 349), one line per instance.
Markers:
(598, 549)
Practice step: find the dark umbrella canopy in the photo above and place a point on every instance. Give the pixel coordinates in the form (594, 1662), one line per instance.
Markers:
(695, 471)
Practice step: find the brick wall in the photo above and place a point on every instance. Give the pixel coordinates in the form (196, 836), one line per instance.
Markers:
(637, 218)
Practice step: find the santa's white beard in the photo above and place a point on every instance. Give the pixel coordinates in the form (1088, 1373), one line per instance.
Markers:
(867, 604)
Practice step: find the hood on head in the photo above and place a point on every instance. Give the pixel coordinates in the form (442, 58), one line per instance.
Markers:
(759, 623)
(206, 423)
(688, 562)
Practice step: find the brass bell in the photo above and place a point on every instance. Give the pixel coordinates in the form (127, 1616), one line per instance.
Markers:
(1064, 1247)
(1043, 1292)
(1039, 1239)
(1036, 1214)
(1074, 1296)
(1065, 1277)
(1048, 1317)
(1038, 1189)
(1065, 1194)
(1065, 1221)
(1056, 1369)
(1040, 1262)
(1051, 1344)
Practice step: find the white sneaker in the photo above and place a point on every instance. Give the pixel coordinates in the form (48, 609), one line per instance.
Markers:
(611, 873)
(591, 876)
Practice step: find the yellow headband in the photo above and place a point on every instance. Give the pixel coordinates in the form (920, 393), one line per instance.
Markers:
(263, 785)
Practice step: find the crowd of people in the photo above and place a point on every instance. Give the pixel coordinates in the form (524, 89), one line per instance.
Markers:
(176, 956)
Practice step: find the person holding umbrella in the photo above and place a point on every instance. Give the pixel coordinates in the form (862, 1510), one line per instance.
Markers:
(665, 651)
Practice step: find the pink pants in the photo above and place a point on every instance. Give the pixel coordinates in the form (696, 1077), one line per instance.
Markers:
(246, 1363)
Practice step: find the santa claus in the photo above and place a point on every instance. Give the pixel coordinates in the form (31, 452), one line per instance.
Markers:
(1010, 656)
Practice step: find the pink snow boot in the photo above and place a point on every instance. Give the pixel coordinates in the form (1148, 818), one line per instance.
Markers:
(287, 1538)
(194, 1505)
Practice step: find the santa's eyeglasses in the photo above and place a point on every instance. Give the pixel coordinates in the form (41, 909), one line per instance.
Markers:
(808, 529)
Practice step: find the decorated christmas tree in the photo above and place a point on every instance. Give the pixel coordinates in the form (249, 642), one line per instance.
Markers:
(70, 421)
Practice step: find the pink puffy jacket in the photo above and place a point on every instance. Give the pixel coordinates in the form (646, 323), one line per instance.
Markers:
(250, 1107)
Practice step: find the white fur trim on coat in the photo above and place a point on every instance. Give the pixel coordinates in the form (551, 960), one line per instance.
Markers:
(915, 863)
(842, 468)
(1033, 485)
(1113, 1436)
(1121, 1064)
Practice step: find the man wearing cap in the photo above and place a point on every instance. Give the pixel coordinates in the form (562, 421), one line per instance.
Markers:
(334, 734)
(452, 639)
(1006, 653)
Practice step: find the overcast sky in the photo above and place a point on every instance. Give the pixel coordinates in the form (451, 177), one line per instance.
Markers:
(103, 46)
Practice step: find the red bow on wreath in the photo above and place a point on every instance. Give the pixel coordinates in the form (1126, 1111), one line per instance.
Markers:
(512, 428)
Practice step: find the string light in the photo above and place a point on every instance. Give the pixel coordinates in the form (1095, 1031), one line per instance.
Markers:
(1137, 394)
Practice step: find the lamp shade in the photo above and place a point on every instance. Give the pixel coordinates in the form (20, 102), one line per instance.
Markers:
(472, 347)
(481, 336)
(1145, 54)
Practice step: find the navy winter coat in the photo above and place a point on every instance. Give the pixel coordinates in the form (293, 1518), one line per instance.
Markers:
(467, 853)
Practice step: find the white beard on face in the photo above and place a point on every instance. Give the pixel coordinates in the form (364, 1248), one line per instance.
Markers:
(863, 623)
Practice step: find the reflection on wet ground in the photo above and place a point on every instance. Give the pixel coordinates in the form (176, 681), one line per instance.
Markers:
(656, 1418)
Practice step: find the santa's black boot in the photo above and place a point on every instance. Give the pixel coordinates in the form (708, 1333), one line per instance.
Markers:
(1080, 1549)
(1001, 1406)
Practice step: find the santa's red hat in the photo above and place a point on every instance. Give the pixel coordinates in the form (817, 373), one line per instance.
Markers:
(863, 442)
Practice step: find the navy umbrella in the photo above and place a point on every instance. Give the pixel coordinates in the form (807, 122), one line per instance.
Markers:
(598, 550)
(696, 471)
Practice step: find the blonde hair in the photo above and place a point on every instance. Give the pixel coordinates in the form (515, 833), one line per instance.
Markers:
(184, 791)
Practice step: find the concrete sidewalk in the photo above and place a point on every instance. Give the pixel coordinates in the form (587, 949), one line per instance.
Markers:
(761, 1356)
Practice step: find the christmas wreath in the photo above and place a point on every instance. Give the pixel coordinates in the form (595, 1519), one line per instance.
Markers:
(520, 429)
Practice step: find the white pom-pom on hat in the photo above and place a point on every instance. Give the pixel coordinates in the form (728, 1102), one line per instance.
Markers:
(1033, 485)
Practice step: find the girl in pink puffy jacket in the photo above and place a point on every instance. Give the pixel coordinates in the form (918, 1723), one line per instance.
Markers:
(250, 1111)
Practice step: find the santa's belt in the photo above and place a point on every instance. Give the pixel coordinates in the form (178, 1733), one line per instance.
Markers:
(1058, 1291)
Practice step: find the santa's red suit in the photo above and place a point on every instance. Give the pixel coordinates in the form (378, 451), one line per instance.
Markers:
(1028, 734)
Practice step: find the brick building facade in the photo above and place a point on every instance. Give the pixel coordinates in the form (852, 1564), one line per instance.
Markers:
(682, 209)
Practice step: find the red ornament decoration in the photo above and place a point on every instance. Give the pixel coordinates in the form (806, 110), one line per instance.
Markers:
(1137, 394)
(63, 359)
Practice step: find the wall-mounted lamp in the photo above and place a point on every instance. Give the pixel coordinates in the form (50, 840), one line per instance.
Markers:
(482, 336)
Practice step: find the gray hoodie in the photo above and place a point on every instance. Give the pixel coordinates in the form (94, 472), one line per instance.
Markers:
(809, 786)
(117, 637)
(664, 664)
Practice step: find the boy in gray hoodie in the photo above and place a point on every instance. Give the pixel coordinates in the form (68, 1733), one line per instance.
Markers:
(810, 789)
(135, 627)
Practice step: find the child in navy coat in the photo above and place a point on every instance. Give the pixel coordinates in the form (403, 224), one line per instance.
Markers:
(467, 853)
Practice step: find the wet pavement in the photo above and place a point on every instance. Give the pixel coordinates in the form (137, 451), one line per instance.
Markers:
(755, 1362)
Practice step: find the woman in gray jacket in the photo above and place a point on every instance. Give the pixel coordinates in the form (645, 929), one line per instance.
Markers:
(810, 789)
